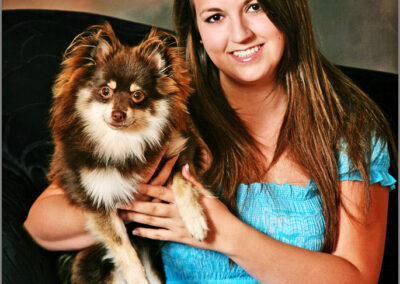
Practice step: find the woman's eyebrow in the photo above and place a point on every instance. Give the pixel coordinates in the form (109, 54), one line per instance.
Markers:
(208, 10)
(212, 9)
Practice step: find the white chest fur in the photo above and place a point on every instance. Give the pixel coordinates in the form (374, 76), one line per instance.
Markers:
(106, 186)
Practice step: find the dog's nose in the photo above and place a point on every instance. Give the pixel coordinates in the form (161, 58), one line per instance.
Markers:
(118, 116)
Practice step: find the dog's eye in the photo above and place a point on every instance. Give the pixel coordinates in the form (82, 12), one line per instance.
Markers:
(106, 92)
(137, 96)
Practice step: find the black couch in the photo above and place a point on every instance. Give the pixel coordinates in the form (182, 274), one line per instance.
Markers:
(33, 43)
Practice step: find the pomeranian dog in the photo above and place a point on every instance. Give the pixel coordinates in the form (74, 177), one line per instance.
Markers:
(115, 108)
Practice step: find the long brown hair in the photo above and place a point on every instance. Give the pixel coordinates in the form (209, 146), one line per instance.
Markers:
(325, 111)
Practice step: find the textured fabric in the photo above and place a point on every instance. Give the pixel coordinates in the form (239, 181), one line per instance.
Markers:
(291, 214)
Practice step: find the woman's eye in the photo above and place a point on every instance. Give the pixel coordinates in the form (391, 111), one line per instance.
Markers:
(214, 18)
(254, 7)
(106, 92)
(137, 96)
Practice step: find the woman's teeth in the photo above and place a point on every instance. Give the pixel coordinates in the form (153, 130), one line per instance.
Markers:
(247, 53)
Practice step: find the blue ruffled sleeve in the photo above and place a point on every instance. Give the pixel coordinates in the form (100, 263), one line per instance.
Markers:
(380, 163)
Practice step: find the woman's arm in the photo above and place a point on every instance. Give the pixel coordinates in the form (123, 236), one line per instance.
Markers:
(57, 224)
(357, 258)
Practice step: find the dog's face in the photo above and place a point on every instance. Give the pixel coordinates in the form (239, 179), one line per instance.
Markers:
(123, 97)
(123, 92)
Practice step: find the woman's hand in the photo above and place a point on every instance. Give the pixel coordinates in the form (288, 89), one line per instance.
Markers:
(164, 215)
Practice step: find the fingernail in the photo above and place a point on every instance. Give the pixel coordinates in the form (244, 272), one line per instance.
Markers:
(185, 171)
(135, 232)
(186, 167)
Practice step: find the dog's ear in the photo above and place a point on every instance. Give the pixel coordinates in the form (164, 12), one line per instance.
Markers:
(102, 50)
(93, 45)
(106, 43)
(155, 49)
(158, 60)
(152, 52)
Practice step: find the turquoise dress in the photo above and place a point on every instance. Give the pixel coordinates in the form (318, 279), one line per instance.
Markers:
(291, 214)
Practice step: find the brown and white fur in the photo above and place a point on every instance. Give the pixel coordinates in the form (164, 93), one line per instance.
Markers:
(115, 108)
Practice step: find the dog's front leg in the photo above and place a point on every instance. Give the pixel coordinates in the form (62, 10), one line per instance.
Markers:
(187, 200)
(109, 229)
(148, 256)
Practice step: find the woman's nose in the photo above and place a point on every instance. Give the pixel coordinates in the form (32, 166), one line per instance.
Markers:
(240, 31)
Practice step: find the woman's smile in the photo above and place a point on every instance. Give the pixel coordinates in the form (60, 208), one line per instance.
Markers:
(247, 55)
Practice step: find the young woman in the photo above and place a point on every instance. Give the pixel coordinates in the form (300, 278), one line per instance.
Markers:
(298, 158)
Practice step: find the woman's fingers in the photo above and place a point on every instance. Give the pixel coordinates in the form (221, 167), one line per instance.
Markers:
(155, 234)
(159, 222)
(152, 168)
(139, 197)
(153, 208)
(161, 178)
(163, 175)
(160, 215)
(159, 192)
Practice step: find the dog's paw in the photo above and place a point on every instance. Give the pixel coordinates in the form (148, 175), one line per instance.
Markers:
(135, 279)
(195, 223)
(187, 199)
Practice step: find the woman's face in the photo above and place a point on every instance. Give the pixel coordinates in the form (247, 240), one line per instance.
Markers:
(240, 39)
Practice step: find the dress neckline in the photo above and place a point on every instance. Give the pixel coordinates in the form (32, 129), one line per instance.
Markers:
(310, 184)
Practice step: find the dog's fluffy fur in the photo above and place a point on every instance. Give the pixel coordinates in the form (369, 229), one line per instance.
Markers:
(115, 108)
